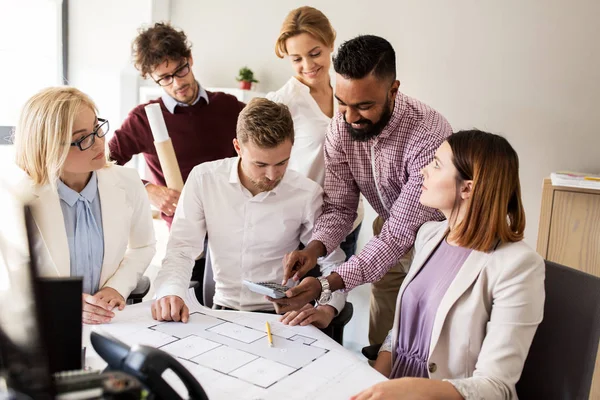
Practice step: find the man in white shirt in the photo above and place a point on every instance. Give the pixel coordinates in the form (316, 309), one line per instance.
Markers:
(255, 212)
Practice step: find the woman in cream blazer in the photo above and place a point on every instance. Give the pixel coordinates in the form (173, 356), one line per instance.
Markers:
(481, 327)
(59, 145)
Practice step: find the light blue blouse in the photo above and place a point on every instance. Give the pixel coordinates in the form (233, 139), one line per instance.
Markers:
(83, 223)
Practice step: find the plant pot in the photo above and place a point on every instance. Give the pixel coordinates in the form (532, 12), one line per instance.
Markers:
(245, 85)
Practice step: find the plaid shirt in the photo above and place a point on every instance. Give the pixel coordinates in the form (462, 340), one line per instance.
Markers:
(386, 170)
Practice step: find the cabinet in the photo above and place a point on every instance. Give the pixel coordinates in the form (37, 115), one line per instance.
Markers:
(569, 234)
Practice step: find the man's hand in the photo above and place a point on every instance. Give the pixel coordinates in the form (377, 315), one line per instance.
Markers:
(97, 309)
(163, 198)
(320, 316)
(308, 290)
(170, 308)
(297, 263)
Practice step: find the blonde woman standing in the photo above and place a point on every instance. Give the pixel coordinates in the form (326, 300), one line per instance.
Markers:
(93, 218)
(306, 39)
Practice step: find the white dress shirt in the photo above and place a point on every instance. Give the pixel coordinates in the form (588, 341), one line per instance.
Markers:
(249, 235)
(310, 128)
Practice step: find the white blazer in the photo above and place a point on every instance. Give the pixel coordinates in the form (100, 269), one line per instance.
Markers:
(129, 242)
(486, 321)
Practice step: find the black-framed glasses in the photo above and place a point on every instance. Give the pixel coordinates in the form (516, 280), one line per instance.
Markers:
(179, 72)
(88, 141)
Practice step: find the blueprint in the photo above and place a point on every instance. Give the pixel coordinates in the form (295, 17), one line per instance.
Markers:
(229, 354)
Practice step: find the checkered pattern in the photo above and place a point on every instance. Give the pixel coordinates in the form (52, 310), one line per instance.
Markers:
(386, 170)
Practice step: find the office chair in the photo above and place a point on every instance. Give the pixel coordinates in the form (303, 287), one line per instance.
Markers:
(141, 290)
(335, 330)
(561, 360)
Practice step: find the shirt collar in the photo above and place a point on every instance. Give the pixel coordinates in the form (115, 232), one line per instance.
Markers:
(170, 103)
(70, 196)
(234, 177)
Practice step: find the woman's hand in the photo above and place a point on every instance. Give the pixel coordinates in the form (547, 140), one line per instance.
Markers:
(383, 364)
(410, 389)
(97, 309)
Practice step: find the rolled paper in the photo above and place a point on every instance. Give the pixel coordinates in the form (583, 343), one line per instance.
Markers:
(164, 147)
(169, 164)
(157, 122)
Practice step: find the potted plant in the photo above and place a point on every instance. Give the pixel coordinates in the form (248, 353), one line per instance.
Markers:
(246, 78)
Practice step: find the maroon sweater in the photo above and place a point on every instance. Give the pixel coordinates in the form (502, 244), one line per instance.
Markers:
(202, 132)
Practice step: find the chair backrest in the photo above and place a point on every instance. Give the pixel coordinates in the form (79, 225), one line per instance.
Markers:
(560, 364)
(208, 282)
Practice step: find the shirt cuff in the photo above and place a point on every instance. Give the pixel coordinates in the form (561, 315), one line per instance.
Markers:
(323, 238)
(387, 343)
(338, 301)
(170, 290)
(350, 273)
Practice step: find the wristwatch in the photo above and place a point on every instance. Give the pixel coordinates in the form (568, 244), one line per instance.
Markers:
(325, 297)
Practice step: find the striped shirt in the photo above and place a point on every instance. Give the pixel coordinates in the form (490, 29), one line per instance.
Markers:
(386, 170)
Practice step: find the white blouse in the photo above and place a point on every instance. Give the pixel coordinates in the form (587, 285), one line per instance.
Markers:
(310, 129)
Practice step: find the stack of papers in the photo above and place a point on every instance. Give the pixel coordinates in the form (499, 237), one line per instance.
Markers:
(575, 179)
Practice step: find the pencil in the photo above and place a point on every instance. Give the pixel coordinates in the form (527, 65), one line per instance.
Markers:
(269, 334)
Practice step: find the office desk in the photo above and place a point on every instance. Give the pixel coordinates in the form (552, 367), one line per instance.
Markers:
(228, 353)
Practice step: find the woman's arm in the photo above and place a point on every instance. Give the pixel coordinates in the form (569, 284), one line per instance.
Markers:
(141, 245)
(517, 310)
(410, 389)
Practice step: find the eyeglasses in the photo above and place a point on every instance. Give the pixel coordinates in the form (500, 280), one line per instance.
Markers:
(88, 140)
(179, 72)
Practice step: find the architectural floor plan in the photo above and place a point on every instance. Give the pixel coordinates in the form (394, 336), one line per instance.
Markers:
(229, 354)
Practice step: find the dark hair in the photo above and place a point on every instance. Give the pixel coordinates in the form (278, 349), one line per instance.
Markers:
(159, 43)
(265, 123)
(364, 55)
(495, 210)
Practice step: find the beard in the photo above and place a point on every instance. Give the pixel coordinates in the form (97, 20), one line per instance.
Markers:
(265, 185)
(371, 129)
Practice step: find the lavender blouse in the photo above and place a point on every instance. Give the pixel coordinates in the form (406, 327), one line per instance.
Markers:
(420, 302)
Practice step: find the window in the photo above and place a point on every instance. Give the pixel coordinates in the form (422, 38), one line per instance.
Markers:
(31, 54)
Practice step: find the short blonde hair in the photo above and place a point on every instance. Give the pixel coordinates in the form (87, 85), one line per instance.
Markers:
(44, 132)
(265, 123)
(305, 20)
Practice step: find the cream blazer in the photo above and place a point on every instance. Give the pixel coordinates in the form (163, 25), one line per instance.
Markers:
(486, 321)
(129, 242)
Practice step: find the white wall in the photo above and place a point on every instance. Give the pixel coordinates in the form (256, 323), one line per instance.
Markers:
(100, 36)
(529, 70)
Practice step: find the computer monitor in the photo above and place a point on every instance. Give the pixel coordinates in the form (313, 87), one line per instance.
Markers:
(23, 359)
(61, 321)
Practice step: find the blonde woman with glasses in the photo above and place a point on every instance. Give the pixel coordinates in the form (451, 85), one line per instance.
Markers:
(93, 218)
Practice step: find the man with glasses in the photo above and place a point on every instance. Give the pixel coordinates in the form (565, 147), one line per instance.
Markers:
(201, 124)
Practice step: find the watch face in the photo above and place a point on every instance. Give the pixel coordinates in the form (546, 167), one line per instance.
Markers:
(325, 297)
